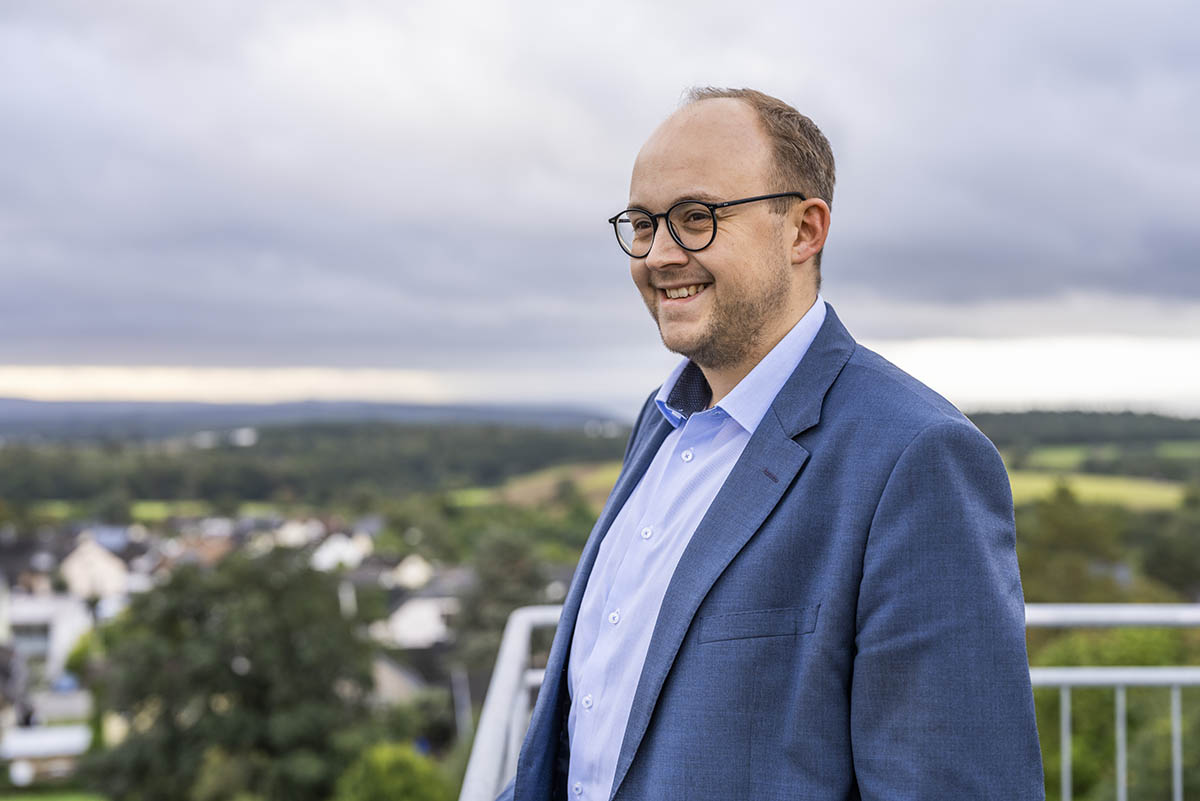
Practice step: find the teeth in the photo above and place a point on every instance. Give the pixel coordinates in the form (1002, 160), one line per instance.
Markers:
(684, 291)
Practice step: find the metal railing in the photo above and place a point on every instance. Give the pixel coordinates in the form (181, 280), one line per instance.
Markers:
(508, 704)
(1119, 678)
(506, 707)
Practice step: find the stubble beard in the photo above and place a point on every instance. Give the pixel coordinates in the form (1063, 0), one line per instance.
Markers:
(734, 332)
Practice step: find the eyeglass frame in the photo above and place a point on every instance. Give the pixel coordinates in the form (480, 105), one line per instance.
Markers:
(712, 211)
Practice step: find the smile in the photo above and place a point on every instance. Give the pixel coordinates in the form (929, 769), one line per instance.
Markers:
(684, 291)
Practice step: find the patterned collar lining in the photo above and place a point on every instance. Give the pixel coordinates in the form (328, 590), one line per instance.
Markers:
(691, 392)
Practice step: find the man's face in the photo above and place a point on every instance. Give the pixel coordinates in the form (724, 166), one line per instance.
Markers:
(714, 150)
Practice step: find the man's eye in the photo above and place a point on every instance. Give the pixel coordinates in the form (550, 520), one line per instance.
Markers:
(642, 225)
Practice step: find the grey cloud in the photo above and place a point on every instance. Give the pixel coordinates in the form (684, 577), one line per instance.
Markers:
(293, 184)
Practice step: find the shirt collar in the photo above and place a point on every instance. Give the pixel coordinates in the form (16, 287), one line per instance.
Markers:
(686, 391)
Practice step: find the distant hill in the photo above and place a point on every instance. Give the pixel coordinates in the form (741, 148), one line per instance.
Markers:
(1077, 428)
(26, 419)
(67, 420)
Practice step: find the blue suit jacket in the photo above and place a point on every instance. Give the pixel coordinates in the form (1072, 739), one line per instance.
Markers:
(847, 621)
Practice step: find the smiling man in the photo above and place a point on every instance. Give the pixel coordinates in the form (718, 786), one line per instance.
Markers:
(804, 583)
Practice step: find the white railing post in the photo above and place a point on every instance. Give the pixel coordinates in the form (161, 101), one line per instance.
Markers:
(1176, 743)
(1064, 739)
(1122, 777)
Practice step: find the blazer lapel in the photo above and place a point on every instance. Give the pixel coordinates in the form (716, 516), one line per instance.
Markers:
(757, 483)
(535, 768)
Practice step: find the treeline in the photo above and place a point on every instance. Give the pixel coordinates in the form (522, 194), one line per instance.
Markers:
(321, 463)
(1010, 429)
(1147, 460)
(29, 420)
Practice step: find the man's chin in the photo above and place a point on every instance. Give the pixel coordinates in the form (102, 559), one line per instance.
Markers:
(684, 345)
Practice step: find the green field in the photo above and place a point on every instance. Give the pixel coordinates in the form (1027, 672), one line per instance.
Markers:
(593, 480)
(1072, 457)
(144, 511)
(151, 511)
(1133, 493)
(1068, 457)
(158, 511)
(53, 511)
(1183, 449)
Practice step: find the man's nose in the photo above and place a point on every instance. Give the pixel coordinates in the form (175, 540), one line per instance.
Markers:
(664, 250)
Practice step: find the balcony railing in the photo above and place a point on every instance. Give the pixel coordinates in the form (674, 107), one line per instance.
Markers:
(1120, 678)
(506, 707)
(509, 701)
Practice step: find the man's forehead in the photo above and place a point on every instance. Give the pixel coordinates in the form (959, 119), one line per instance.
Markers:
(710, 147)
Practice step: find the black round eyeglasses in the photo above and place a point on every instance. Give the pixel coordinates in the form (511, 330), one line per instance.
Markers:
(691, 223)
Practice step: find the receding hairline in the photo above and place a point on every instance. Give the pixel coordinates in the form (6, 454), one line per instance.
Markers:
(783, 125)
(678, 120)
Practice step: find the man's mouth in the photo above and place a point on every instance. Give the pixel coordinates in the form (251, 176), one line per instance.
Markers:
(684, 291)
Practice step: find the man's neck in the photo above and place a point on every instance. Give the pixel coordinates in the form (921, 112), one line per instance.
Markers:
(722, 380)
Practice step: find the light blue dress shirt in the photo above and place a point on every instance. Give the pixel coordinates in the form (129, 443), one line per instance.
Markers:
(642, 547)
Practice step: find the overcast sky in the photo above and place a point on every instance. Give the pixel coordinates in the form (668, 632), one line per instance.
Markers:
(407, 199)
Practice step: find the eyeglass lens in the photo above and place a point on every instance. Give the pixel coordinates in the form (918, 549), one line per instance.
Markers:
(692, 224)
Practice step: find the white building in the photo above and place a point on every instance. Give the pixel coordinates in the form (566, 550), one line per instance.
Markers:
(413, 573)
(43, 752)
(44, 630)
(91, 571)
(338, 550)
(298, 533)
(417, 623)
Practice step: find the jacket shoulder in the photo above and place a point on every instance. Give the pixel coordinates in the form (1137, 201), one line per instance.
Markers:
(870, 389)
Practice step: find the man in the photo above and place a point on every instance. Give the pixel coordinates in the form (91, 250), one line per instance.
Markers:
(804, 584)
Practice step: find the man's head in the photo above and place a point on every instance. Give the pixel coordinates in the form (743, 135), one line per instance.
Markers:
(760, 272)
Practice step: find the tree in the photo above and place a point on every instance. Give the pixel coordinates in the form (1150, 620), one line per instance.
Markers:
(392, 772)
(112, 506)
(1171, 553)
(234, 680)
(1071, 552)
(509, 576)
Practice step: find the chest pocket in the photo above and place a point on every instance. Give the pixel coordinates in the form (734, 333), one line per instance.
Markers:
(759, 623)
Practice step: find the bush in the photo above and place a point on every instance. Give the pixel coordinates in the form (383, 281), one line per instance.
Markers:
(393, 772)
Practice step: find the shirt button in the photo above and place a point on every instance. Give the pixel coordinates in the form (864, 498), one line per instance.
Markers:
(687, 455)
(646, 532)
(577, 789)
(614, 616)
(587, 702)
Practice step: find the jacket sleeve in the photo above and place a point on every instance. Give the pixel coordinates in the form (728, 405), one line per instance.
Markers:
(941, 705)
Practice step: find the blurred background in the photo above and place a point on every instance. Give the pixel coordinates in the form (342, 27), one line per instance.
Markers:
(317, 356)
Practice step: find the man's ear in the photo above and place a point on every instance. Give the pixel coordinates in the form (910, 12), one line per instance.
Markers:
(810, 221)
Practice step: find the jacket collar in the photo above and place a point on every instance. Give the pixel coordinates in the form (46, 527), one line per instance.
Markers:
(798, 404)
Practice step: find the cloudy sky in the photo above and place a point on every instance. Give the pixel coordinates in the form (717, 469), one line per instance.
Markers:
(406, 200)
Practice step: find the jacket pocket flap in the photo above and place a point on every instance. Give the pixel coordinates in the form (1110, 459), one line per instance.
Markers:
(759, 623)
